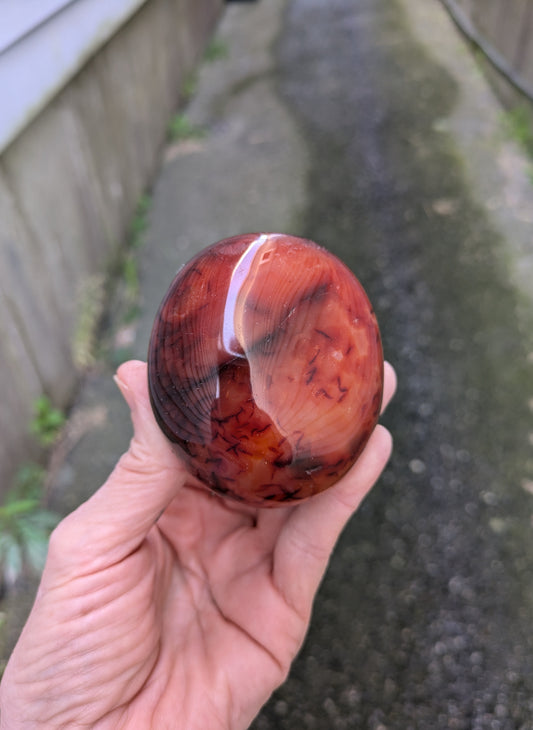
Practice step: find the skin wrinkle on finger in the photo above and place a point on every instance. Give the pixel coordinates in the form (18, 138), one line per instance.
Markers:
(82, 680)
(194, 512)
(298, 542)
(99, 536)
(59, 573)
(85, 619)
(304, 552)
(137, 646)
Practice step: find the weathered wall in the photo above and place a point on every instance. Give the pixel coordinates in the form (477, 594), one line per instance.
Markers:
(68, 187)
(504, 28)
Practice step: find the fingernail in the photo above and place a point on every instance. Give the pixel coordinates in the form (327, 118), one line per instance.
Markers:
(125, 390)
(121, 385)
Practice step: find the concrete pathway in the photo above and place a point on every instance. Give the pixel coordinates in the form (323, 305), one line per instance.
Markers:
(369, 128)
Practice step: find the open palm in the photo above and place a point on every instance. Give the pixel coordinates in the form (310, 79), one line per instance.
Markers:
(163, 606)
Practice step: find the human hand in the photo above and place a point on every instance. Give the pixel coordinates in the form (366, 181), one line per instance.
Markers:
(164, 606)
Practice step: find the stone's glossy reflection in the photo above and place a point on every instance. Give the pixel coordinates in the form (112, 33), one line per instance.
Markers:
(265, 368)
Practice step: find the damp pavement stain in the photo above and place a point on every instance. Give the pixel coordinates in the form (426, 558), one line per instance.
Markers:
(424, 618)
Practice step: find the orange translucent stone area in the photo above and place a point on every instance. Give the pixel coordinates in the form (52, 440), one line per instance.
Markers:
(265, 368)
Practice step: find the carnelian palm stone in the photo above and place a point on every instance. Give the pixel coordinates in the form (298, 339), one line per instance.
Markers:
(265, 368)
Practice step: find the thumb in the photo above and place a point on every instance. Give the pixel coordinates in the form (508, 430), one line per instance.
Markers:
(117, 518)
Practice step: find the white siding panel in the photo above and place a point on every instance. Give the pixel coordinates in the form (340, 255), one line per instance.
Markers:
(40, 52)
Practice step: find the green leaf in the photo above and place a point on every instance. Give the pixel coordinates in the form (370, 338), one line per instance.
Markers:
(12, 562)
(42, 520)
(18, 507)
(28, 482)
(6, 539)
(216, 50)
(35, 550)
(181, 128)
(47, 421)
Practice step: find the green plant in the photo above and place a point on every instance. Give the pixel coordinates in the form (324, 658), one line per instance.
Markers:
(47, 421)
(189, 86)
(216, 50)
(130, 276)
(181, 128)
(519, 123)
(24, 526)
(139, 222)
(29, 480)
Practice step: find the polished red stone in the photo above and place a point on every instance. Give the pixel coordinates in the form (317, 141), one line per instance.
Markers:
(265, 368)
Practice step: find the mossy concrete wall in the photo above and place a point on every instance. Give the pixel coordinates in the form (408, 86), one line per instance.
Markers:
(69, 184)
